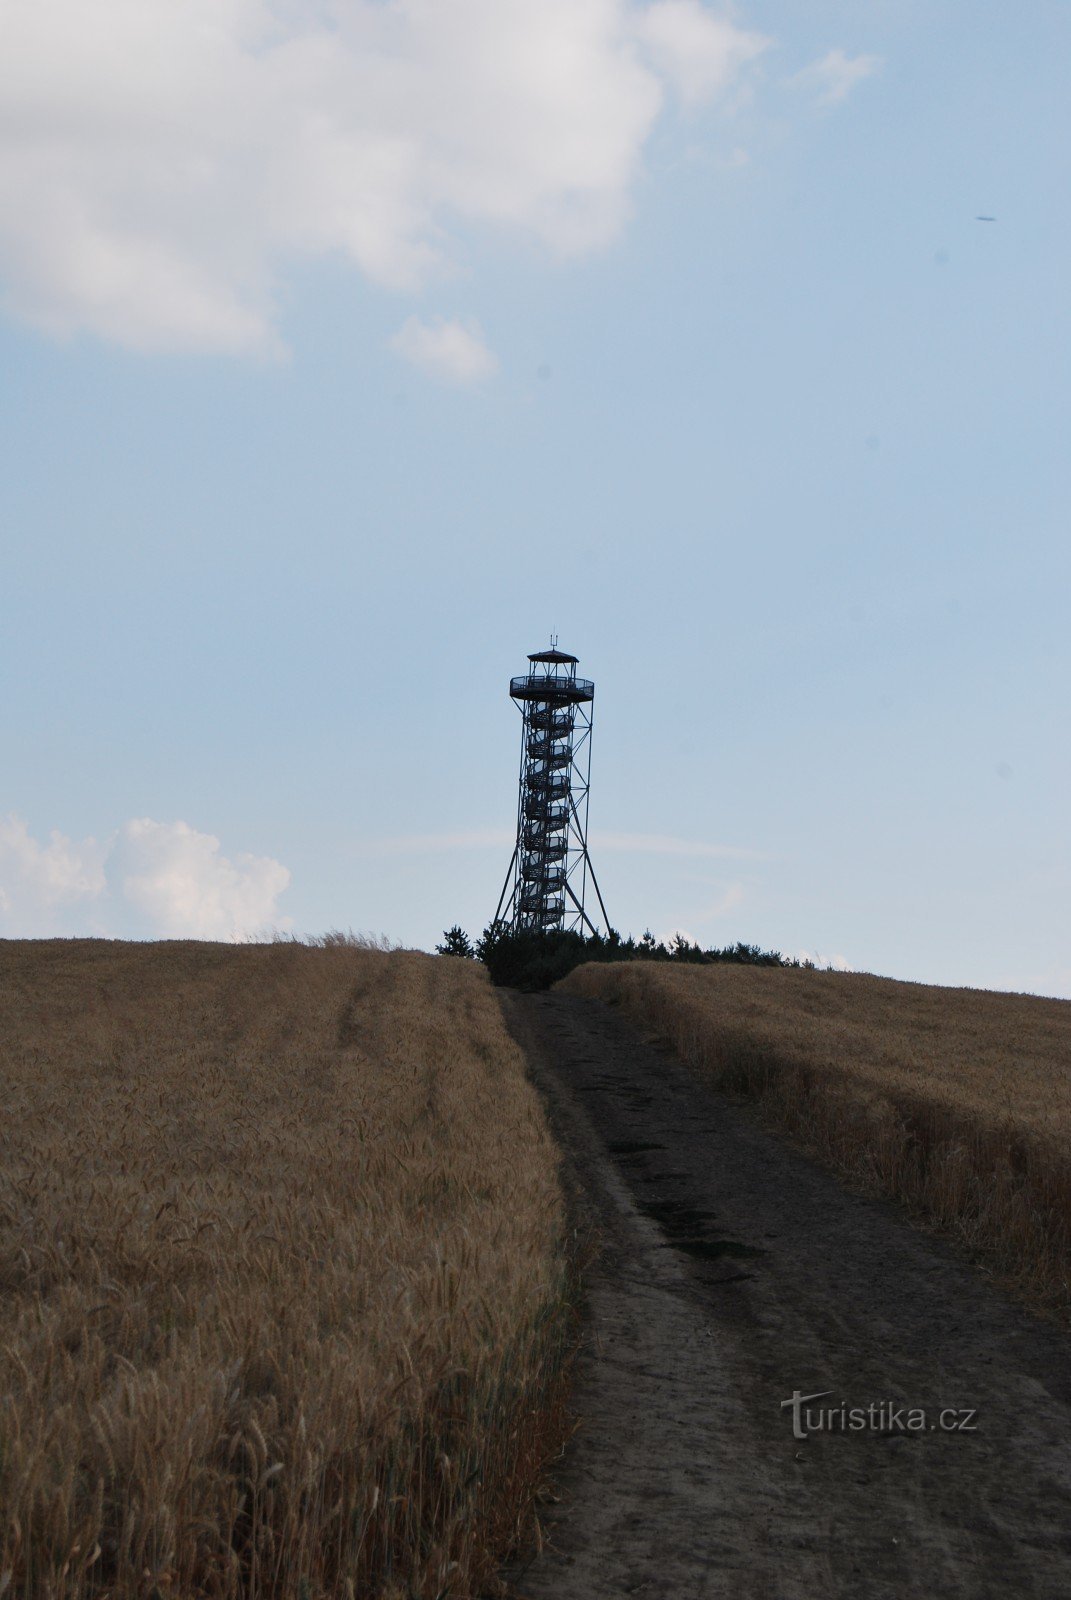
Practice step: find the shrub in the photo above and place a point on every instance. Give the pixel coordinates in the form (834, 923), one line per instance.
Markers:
(533, 960)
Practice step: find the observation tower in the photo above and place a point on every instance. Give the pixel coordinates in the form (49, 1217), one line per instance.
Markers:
(547, 882)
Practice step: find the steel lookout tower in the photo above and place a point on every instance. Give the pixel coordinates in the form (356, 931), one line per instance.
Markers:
(547, 882)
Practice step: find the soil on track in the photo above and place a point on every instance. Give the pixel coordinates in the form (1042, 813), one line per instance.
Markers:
(732, 1272)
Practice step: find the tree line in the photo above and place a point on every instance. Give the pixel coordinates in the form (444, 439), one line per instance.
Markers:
(536, 960)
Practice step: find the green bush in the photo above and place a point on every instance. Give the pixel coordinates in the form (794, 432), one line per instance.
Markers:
(456, 942)
(534, 961)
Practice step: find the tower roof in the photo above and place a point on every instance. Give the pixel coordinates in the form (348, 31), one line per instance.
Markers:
(558, 656)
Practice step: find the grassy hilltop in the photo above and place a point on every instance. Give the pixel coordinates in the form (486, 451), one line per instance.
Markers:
(280, 1250)
(285, 1306)
(956, 1101)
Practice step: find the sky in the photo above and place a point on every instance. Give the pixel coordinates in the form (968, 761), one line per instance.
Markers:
(350, 348)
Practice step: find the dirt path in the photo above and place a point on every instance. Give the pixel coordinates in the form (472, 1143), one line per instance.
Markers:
(733, 1273)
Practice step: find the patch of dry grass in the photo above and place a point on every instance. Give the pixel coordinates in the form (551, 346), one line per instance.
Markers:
(283, 1296)
(955, 1101)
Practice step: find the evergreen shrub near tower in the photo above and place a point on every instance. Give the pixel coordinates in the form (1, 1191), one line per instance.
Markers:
(531, 960)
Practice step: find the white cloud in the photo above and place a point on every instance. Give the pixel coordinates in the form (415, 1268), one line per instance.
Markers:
(152, 879)
(700, 53)
(835, 76)
(178, 881)
(37, 880)
(162, 161)
(834, 963)
(454, 351)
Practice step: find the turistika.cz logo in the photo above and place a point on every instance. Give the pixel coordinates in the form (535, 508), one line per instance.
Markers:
(880, 1416)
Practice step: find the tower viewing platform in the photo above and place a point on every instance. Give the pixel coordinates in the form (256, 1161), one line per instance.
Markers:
(553, 686)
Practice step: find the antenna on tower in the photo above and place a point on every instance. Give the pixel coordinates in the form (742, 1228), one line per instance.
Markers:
(546, 885)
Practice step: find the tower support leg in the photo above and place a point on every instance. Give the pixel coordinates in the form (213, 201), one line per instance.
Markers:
(580, 908)
(505, 886)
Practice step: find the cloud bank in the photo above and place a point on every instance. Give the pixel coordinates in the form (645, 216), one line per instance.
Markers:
(37, 878)
(163, 161)
(150, 880)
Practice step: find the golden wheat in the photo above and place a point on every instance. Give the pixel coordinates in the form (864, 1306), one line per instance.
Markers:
(956, 1101)
(282, 1273)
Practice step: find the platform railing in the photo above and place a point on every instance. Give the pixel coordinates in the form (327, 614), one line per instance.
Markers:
(555, 691)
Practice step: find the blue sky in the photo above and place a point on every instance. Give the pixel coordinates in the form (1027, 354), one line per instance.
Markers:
(349, 349)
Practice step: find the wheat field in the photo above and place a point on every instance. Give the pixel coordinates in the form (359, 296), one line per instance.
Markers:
(284, 1298)
(954, 1101)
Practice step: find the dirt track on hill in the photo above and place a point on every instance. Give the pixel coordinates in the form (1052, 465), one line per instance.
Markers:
(733, 1272)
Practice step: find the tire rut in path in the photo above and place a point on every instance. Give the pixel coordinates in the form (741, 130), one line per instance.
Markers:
(734, 1271)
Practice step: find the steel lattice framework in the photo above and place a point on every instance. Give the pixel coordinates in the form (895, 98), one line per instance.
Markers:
(546, 885)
